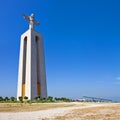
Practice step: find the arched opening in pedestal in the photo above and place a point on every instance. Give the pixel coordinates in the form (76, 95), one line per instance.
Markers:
(24, 67)
(38, 65)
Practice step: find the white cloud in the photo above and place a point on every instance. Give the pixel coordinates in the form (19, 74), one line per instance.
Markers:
(117, 82)
(117, 78)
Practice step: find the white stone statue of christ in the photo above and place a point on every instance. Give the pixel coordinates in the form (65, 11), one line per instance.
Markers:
(31, 20)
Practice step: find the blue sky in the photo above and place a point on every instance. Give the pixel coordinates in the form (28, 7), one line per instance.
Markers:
(81, 42)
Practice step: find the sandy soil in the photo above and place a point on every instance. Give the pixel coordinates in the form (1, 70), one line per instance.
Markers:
(18, 107)
(102, 112)
(68, 111)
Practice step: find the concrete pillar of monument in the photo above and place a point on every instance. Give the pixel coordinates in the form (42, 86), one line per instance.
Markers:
(31, 73)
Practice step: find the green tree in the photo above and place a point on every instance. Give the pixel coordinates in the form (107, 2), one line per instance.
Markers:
(39, 97)
(20, 99)
(25, 97)
(65, 99)
(36, 98)
(50, 98)
(12, 99)
(6, 99)
(57, 99)
(1, 98)
(42, 100)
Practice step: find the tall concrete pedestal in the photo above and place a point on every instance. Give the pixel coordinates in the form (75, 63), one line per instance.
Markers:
(32, 73)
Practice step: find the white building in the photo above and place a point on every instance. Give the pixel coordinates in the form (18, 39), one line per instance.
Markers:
(31, 73)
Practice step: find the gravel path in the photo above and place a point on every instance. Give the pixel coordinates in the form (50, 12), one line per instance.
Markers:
(42, 114)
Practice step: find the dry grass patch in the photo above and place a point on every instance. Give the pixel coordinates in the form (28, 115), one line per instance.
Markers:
(18, 107)
(111, 112)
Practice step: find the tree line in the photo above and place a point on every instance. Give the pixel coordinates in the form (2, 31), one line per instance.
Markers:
(7, 99)
(37, 99)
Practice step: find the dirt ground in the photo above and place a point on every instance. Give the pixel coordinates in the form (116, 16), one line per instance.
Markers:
(107, 112)
(61, 111)
(18, 107)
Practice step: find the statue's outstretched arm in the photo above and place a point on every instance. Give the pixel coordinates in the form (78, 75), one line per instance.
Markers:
(26, 17)
(36, 23)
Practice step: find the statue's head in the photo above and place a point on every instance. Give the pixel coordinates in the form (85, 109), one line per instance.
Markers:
(32, 15)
